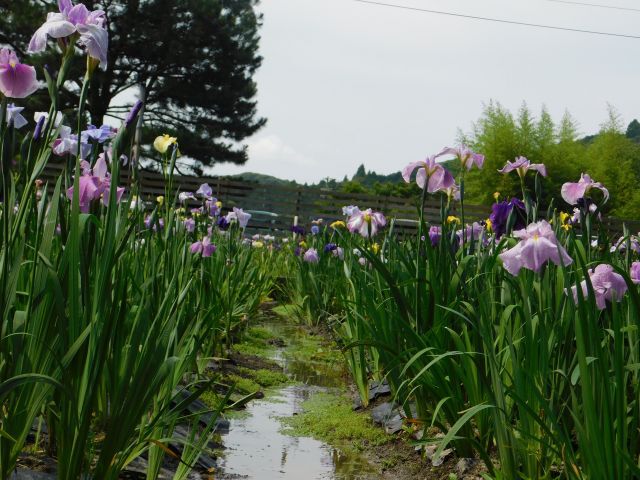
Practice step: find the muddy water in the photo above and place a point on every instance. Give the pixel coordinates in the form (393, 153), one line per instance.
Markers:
(256, 449)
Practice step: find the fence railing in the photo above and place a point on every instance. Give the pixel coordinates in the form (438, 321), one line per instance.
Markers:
(274, 207)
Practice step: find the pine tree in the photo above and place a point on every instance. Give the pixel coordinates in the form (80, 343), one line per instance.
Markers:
(191, 61)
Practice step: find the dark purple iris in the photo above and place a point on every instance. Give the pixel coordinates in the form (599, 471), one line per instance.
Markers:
(223, 223)
(500, 216)
(297, 229)
(330, 247)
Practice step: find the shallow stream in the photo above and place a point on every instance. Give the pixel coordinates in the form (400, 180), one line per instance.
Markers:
(255, 447)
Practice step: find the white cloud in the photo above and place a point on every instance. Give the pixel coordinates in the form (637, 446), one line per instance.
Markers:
(270, 154)
(272, 149)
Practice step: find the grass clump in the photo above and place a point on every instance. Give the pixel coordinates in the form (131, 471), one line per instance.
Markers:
(331, 419)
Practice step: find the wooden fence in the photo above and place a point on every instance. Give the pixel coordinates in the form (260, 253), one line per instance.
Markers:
(274, 207)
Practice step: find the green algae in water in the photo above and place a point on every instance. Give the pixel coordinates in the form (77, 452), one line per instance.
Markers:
(331, 419)
(264, 377)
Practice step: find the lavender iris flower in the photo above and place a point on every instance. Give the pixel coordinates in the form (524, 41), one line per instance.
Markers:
(522, 165)
(75, 19)
(211, 206)
(95, 184)
(184, 196)
(468, 158)
(204, 246)
(435, 232)
(315, 229)
(608, 286)
(190, 224)
(204, 191)
(239, 216)
(311, 256)
(430, 174)
(16, 79)
(68, 143)
(474, 231)
(621, 245)
(100, 135)
(349, 210)
(500, 215)
(538, 244)
(635, 273)
(572, 193)
(366, 222)
(14, 117)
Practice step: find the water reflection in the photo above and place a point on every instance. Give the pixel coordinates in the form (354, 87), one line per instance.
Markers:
(255, 448)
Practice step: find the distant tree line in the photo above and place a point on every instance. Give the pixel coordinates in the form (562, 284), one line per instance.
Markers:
(612, 156)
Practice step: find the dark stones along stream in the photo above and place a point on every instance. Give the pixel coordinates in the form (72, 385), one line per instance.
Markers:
(256, 449)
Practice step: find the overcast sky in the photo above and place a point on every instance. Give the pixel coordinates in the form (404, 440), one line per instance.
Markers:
(345, 83)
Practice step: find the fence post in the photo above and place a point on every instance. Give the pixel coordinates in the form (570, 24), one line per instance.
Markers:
(298, 202)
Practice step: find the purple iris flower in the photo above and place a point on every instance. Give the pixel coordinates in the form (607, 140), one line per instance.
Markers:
(339, 253)
(184, 196)
(75, 19)
(14, 117)
(190, 225)
(204, 246)
(89, 190)
(430, 174)
(635, 272)
(572, 193)
(68, 143)
(311, 256)
(608, 286)
(500, 215)
(435, 232)
(349, 210)
(621, 245)
(239, 216)
(16, 79)
(538, 244)
(95, 184)
(211, 206)
(468, 158)
(366, 222)
(297, 229)
(223, 223)
(315, 229)
(330, 247)
(474, 231)
(204, 191)
(100, 135)
(521, 165)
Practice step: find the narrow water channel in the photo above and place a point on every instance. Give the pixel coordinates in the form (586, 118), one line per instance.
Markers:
(256, 449)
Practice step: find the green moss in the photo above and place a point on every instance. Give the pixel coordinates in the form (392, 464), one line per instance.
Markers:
(243, 385)
(286, 311)
(331, 419)
(211, 398)
(265, 378)
(255, 341)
